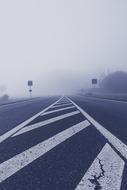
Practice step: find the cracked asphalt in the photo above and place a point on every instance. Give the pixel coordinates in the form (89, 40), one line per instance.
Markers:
(81, 158)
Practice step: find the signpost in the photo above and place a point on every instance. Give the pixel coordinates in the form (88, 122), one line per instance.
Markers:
(30, 84)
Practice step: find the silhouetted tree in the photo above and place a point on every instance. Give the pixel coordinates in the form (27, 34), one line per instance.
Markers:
(115, 82)
(5, 97)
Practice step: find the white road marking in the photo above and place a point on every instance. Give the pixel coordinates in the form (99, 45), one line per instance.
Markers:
(61, 102)
(119, 145)
(11, 103)
(61, 105)
(64, 100)
(20, 126)
(105, 172)
(43, 123)
(61, 109)
(13, 165)
(109, 100)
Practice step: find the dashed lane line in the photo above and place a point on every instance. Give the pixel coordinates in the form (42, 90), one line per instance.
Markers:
(46, 122)
(118, 145)
(16, 163)
(54, 111)
(20, 126)
(105, 172)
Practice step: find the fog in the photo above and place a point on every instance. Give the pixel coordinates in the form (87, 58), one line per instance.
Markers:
(60, 44)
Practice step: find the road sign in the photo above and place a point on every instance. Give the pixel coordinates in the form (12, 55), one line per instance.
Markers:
(30, 83)
(94, 81)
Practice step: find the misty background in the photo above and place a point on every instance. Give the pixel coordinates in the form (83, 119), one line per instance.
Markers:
(60, 44)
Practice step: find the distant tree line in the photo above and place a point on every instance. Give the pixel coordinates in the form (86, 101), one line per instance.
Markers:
(115, 82)
(4, 97)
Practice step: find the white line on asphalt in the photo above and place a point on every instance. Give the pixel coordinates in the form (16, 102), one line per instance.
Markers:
(13, 165)
(109, 100)
(105, 172)
(61, 102)
(61, 109)
(119, 145)
(20, 126)
(43, 123)
(18, 102)
(61, 105)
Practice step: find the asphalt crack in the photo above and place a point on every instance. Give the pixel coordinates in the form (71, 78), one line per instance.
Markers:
(95, 179)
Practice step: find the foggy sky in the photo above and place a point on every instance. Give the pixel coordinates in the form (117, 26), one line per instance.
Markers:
(60, 44)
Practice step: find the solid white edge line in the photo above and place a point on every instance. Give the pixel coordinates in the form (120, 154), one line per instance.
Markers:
(105, 172)
(54, 111)
(43, 123)
(109, 100)
(16, 163)
(20, 126)
(18, 102)
(119, 145)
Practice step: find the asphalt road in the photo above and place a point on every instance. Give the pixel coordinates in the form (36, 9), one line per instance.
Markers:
(67, 143)
(13, 114)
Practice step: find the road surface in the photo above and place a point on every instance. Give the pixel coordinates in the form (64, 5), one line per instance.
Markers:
(63, 143)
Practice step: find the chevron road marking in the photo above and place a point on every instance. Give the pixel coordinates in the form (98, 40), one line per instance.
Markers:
(61, 105)
(16, 163)
(54, 111)
(105, 172)
(20, 126)
(43, 123)
(118, 145)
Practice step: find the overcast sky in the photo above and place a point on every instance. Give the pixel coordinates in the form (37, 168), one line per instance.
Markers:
(60, 44)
